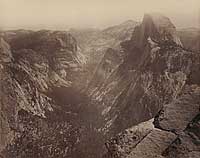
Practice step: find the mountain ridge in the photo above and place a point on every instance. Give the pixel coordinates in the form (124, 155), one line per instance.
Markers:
(141, 101)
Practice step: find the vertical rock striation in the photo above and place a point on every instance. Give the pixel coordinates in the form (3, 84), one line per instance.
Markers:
(160, 85)
(32, 65)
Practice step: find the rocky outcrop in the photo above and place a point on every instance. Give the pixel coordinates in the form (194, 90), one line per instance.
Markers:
(110, 61)
(122, 144)
(182, 118)
(32, 66)
(151, 75)
(152, 145)
(43, 112)
(60, 48)
(5, 132)
(6, 55)
(41, 60)
(156, 26)
(161, 80)
(144, 93)
(176, 132)
(95, 44)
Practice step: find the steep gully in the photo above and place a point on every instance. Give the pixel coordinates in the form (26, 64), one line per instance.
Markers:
(157, 70)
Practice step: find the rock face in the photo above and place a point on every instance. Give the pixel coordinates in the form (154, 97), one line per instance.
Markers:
(159, 82)
(151, 74)
(145, 93)
(110, 61)
(60, 48)
(5, 134)
(32, 66)
(158, 27)
(185, 110)
(6, 55)
(95, 43)
(122, 144)
(41, 108)
(176, 132)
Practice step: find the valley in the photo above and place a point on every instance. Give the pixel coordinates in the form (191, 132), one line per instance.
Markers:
(128, 91)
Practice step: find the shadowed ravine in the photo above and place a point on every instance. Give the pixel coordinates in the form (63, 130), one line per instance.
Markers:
(128, 91)
(71, 130)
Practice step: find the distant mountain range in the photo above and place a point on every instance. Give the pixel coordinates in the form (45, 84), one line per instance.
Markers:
(190, 38)
(128, 91)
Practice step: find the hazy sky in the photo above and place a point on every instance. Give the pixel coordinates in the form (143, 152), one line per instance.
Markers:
(61, 14)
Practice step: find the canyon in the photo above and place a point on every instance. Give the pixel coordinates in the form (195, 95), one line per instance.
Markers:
(128, 91)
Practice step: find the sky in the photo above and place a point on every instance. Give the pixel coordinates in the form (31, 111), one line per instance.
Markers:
(63, 14)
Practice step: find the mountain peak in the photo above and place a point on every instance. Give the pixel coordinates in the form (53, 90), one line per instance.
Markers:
(158, 27)
(160, 21)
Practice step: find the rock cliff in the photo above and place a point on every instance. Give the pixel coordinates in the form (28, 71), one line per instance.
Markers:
(95, 43)
(143, 97)
(155, 81)
(32, 65)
